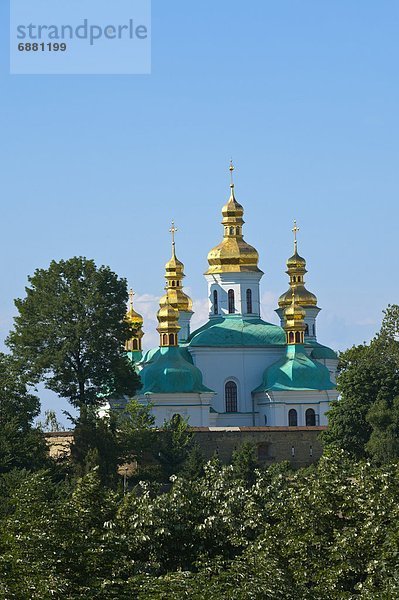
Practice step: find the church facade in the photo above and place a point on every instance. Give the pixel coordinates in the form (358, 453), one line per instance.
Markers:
(236, 370)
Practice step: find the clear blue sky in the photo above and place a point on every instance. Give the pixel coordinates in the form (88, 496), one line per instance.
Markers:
(303, 94)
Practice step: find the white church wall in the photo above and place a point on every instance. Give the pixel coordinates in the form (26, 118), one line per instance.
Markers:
(245, 366)
(239, 283)
(276, 406)
(193, 407)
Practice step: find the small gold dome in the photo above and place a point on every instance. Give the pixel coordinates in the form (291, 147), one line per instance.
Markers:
(233, 209)
(295, 322)
(174, 266)
(233, 254)
(296, 269)
(167, 313)
(296, 262)
(174, 275)
(168, 327)
(303, 296)
(178, 299)
(295, 312)
(132, 316)
(136, 322)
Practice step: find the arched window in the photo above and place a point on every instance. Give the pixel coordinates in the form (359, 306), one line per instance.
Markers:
(310, 417)
(291, 337)
(306, 329)
(230, 395)
(294, 279)
(173, 283)
(231, 230)
(215, 303)
(314, 329)
(297, 337)
(135, 345)
(249, 302)
(171, 339)
(164, 340)
(232, 307)
(292, 418)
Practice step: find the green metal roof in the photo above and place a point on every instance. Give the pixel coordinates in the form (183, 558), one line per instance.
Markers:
(321, 352)
(153, 354)
(135, 356)
(171, 373)
(235, 331)
(296, 371)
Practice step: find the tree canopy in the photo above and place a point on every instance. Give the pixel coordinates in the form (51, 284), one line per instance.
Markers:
(70, 332)
(365, 419)
(21, 444)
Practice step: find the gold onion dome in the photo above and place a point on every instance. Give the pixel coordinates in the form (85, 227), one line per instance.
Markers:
(136, 323)
(132, 316)
(296, 269)
(174, 274)
(295, 322)
(168, 324)
(295, 312)
(233, 254)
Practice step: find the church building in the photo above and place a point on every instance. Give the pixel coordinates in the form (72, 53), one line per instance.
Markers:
(236, 370)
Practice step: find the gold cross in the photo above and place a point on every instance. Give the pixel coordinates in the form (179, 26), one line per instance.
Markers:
(231, 173)
(173, 230)
(295, 231)
(131, 295)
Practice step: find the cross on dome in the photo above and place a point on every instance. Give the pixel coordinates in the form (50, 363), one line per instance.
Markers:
(173, 230)
(131, 296)
(295, 231)
(231, 169)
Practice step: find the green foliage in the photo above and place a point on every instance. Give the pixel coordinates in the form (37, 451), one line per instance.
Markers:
(245, 463)
(327, 532)
(96, 445)
(173, 445)
(194, 464)
(50, 422)
(70, 332)
(21, 444)
(365, 420)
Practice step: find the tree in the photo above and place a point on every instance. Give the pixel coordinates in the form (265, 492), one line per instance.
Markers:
(365, 420)
(21, 444)
(50, 422)
(174, 445)
(245, 463)
(70, 332)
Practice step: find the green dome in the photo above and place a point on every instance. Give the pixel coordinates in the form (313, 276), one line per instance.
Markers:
(171, 373)
(153, 354)
(236, 332)
(321, 352)
(135, 356)
(150, 355)
(296, 371)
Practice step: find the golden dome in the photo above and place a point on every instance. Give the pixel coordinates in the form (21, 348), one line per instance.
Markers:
(303, 296)
(132, 316)
(168, 328)
(167, 313)
(136, 322)
(296, 262)
(174, 275)
(178, 299)
(296, 269)
(295, 322)
(295, 312)
(233, 254)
